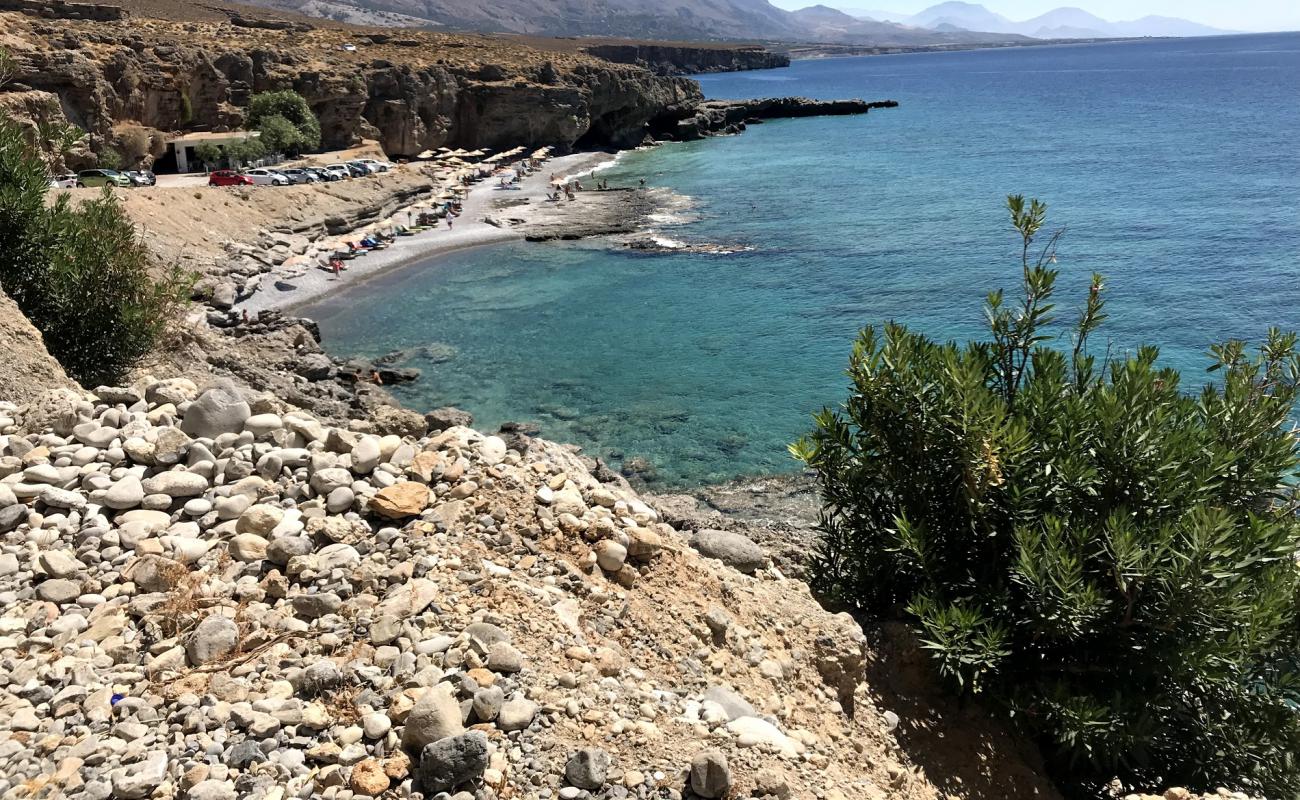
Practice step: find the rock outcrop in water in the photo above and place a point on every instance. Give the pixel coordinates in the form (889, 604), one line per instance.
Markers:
(714, 117)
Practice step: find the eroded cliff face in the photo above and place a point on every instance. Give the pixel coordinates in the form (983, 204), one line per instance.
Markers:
(671, 59)
(421, 91)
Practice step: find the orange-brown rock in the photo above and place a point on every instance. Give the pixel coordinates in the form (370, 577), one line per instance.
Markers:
(369, 778)
(401, 500)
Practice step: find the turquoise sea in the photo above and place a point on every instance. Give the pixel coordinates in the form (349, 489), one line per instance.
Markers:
(1173, 165)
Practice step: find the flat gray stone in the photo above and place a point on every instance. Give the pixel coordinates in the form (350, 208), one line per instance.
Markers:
(732, 549)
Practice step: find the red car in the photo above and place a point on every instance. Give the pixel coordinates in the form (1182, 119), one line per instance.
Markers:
(228, 177)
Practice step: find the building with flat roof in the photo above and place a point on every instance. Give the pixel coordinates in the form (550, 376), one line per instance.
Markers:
(182, 147)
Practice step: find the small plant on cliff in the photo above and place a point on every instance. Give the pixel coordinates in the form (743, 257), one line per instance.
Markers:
(1107, 558)
(8, 67)
(57, 140)
(292, 107)
(135, 143)
(79, 272)
(108, 158)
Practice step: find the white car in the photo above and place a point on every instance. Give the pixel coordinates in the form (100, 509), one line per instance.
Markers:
(376, 165)
(266, 177)
(65, 181)
(340, 170)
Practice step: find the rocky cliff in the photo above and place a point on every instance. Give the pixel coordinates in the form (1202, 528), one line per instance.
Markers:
(411, 92)
(677, 59)
(27, 370)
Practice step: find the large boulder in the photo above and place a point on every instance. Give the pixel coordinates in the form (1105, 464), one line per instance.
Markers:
(221, 409)
(405, 499)
(450, 762)
(732, 549)
(435, 716)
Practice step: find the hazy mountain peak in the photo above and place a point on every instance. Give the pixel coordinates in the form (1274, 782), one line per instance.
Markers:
(1064, 22)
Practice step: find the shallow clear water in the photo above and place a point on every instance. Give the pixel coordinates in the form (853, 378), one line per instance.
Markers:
(1174, 166)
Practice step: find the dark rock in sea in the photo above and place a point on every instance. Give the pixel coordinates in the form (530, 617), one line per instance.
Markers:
(639, 468)
(518, 435)
(394, 375)
(720, 117)
(440, 419)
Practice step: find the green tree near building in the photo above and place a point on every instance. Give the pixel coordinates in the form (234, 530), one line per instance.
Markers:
(210, 154)
(1104, 555)
(269, 111)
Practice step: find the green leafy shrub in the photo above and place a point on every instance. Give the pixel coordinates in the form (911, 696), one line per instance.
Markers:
(108, 158)
(280, 136)
(1107, 558)
(210, 154)
(244, 151)
(79, 272)
(293, 108)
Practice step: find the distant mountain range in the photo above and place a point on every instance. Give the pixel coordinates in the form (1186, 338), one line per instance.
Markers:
(1061, 23)
(952, 23)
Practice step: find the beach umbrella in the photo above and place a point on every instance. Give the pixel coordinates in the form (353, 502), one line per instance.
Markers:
(426, 154)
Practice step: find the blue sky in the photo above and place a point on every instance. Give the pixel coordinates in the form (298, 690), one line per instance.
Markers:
(1254, 15)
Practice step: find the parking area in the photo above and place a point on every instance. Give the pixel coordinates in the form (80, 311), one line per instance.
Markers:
(285, 174)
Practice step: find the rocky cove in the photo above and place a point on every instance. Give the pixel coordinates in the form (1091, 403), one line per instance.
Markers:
(244, 574)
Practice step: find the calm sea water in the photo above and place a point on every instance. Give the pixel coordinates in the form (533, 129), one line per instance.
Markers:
(1173, 165)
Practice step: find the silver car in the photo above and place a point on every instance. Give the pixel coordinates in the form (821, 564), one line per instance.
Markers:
(299, 175)
(266, 177)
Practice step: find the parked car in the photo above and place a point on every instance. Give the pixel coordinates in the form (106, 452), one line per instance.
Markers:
(266, 177)
(323, 174)
(376, 165)
(370, 168)
(102, 177)
(141, 177)
(65, 181)
(340, 171)
(299, 175)
(228, 177)
(356, 169)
